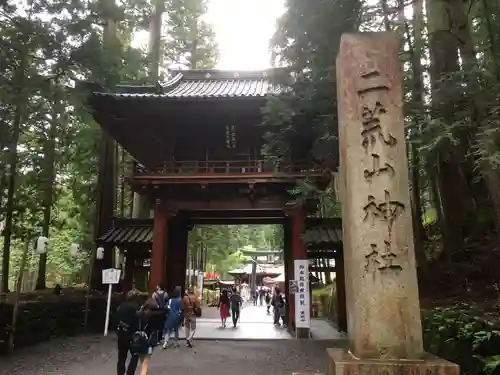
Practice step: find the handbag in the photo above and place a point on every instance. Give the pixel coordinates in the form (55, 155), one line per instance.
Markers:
(196, 309)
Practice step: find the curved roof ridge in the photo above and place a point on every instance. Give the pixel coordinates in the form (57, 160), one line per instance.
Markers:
(226, 74)
(173, 82)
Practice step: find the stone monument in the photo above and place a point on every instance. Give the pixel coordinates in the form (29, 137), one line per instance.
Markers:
(384, 327)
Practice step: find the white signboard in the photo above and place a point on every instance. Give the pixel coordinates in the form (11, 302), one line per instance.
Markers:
(302, 302)
(111, 276)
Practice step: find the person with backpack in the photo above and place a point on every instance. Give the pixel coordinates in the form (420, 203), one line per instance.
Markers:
(192, 310)
(145, 339)
(160, 296)
(127, 326)
(173, 320)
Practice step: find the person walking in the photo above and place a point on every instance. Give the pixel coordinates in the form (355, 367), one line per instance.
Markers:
(223, 308)
(145, 339)
(160, 296)
(173, 319)
(127, 326)
(261, 295)
(235, 302)
(192, 310)
(268, 302)
(278, 304)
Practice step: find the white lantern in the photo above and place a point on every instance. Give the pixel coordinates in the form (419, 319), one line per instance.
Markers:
(74, 250)
(41, 245)
(100, 253)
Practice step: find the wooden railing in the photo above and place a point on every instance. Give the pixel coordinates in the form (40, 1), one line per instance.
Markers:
(229, 167)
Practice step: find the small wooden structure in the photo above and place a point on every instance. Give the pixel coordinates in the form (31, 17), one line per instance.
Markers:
(243, 275)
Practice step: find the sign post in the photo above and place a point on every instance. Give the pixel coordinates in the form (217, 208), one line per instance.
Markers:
(110, 276)
(302, 300)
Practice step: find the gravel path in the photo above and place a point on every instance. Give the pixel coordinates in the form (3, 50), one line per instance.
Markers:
(94, 355)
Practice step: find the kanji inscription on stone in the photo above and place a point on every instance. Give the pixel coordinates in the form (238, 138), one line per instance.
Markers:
(388, 210)
(372, 128)
(377, 169)
(381, 259)
(372, 82)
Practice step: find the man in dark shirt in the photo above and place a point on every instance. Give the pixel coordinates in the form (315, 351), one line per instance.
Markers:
(128, 323)
(235, 303)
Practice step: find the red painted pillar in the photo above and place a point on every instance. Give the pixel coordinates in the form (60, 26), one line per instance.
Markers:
(160, 238)
(299, 251)
(287, 256)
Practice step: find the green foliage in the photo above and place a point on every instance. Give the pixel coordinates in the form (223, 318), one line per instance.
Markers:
(429, 217)
(465, 340)
(190, 41)
(323, 292)
(46, 46)
(224, 242)
(302, 123)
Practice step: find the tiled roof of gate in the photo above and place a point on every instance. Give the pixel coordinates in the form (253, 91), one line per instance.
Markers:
(323, 236)
(128, 235)
(203, 84)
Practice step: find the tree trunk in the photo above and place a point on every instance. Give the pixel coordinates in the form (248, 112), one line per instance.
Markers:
(416, 52)
(328, 276)
(457, 198)
(106, 179)
(140, 204)
(11, 172)
(49, 150)
(462, 32)
(155, 40)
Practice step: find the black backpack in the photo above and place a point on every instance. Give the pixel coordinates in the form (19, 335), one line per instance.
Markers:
(139, 343)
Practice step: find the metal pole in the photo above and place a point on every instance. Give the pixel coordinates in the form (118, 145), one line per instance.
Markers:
(108, 309)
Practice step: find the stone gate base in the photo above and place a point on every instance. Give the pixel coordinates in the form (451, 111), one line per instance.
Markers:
(341, 362)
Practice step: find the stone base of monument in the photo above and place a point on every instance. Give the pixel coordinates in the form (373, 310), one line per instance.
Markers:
(302, 333)
(342, 362)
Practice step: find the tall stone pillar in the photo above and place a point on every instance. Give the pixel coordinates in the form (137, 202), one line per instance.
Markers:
(384, 325)
(158, 251)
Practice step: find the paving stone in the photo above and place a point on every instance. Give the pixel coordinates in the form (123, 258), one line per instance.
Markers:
(256, 347)
(92, 355)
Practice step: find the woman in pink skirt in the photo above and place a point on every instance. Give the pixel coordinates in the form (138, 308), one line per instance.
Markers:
(224, 307)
